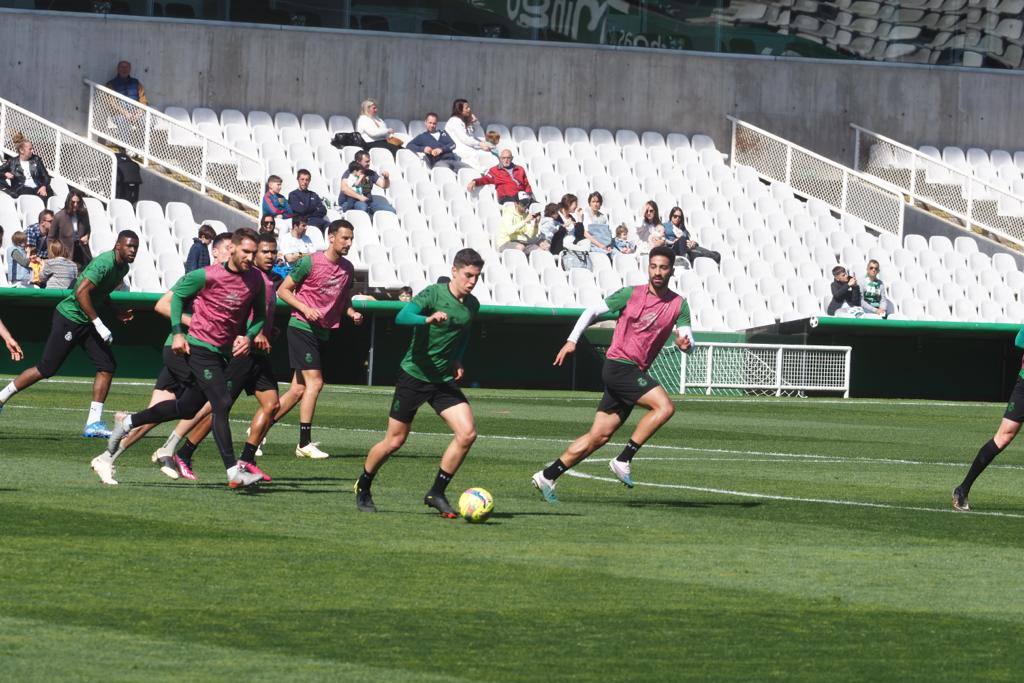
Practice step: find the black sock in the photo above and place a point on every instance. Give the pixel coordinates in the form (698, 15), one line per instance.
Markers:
(305, 433)
(365, 481)
(985, 456)
(629, 451)
(440, 482)
(249, 453)
(185, 451)
(555, 470)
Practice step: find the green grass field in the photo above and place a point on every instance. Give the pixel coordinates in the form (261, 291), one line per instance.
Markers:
(770, 539)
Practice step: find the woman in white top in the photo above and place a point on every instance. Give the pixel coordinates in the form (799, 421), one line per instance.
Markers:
(374, 131)
(592, 214)
(462, 128)
(601, 237)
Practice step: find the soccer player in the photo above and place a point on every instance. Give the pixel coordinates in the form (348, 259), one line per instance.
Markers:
(1008, 428)
(649, 313)
(223, 295)
(76, 322)
(253, 374)
(319, 289)
(441, 316)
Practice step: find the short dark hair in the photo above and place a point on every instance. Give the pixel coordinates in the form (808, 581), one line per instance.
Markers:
(206, 231)
(837, 270)
(406, 289)
(299, 220)
(274, 179)
(355, 167)
(242, 234)
(267, 237)
(551, 210)
(303, 172)
(360, 154)
(595, 195)
(220, 239)
(663, 251)
(428, 115)
(468, 257)
(337, 225)
(127, 235)
(566, 200)
(44, 213)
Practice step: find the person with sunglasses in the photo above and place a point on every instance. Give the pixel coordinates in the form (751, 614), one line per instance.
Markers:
(678, 237)
(873, 299)
(268, 224)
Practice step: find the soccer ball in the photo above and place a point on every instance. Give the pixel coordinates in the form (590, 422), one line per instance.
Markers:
(476, 504)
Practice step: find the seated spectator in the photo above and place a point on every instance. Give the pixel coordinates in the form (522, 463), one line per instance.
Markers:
(462, 127)
(593, 214)
(34, 263)
(25, 174)
(268, 225)
(295, 243)
(405, 294)
(435, 146)
(71, 228)
(199, 253)
(357, 192)
(374, 131)
(493, 137)
(599, 233)
(519, 229)
(306, 203)
(125, 84)
(509, 179)
(845, 294)
(651, 221)
(37, 233)
(19, 272)
(677, 235)
(548, 223)
(274, 203)
(874, 301)
(58, 272)
(621, 241)
(569, 221)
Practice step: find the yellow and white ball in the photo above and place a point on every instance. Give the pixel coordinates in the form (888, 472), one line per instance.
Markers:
(476, 504)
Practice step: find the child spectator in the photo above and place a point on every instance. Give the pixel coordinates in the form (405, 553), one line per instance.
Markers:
(621, 242)
(493, 137)
(356, 180)
(274, 203)
(35, 263)
(18, 270)
(58, 271)
(199, 254)
(405, 294)
(549, 223)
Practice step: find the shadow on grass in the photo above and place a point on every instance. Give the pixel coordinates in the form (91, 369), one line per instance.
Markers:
(690, 504)
(513, 515)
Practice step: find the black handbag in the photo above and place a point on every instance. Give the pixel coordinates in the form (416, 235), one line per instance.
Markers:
(342, 140)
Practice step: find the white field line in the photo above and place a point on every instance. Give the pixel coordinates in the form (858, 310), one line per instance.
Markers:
(762, 456)
(385, 391)
(795, 499)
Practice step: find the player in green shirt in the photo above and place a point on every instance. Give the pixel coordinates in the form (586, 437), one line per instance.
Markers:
(441, 316)
(76, 322)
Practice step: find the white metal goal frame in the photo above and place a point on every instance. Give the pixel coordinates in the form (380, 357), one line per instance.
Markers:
(80, 162)
(857, 194)
(935, 183)
(181, 148)
(790, 369)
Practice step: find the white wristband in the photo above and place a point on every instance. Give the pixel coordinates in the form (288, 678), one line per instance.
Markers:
(102, 330)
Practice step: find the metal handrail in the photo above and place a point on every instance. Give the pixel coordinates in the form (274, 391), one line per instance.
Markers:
(847, 190)
(131, 125)
(94, 172)
(1008, 219)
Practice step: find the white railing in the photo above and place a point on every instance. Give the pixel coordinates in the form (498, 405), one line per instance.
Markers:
(80, 162)
(718, 367)
(935, 183)
(812, 175)
(179, 147)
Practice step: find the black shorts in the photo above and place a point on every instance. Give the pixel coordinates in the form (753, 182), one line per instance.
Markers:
(64, 337)
(1015, 407)
(237, 374)
(261, 375)
(411, 393)
(303, 350)
(624, 385)
(209, 368)
(175, 376)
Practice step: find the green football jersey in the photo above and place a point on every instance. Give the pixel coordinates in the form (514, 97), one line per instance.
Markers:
(106, 274)
(434, 349)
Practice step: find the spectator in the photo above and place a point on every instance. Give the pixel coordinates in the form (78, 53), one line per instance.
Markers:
(125, 84)
(373, 130)
(519, 228)
(295, 243)
(874, 301)
(845, 294)
(71, 228)
(25, 173)
(268, 225)
(593, 214)
(462, 129)
(570, 223)
(677, 235)
(493, 137)
(58, 272)
(125, 115)
(436, 146)
(306, 203)
(19, 272)
(37, 233)
(359, 196)
(274, 203)
(34, 263)
(621, 241)
(199, 253)
(509, 179)
(405, 294)
(548, 223)
(650, 222)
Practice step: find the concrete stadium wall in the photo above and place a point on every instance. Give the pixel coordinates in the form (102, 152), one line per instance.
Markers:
(219, 65)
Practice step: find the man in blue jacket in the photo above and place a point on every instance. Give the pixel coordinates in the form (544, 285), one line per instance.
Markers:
(436, 146)
(307, 204)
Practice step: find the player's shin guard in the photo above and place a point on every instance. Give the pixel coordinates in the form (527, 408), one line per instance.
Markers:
(982, 460)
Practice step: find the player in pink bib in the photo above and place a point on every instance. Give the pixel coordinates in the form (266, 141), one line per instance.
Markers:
(648, 315)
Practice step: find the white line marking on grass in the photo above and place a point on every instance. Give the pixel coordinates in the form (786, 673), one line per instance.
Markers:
(796, 499)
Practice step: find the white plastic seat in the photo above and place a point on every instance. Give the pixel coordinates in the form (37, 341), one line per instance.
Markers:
(340, 124)
(675, 141)
(232, 117)
(1003, 263)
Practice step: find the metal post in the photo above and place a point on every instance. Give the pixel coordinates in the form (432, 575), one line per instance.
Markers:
(146, 139)
(682, 373)
(789, 165)
(203, 162)
(856, 149)
(89, 125)
(778, 372)
(57, 140)
(846, 189)
(846, 378)
(373, 341)
(710, 369)
(913, 176)
(732, 146)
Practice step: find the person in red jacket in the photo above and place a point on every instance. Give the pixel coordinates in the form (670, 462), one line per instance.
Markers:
(508, 179)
